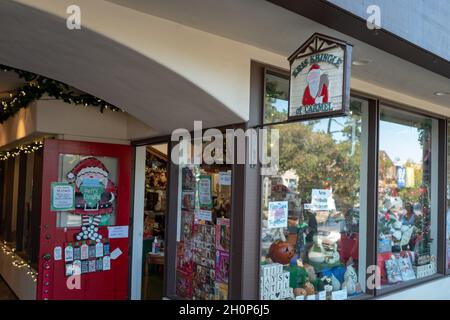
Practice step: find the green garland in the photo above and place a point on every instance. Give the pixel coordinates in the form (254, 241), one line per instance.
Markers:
(36, 87)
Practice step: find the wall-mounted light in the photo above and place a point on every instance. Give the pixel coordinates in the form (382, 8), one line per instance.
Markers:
(361, 62)
(442, 93)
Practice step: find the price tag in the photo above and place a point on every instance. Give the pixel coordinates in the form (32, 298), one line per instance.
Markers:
(68, 253)
(106, 263)
(116, 253)
(57, 253)
(99, 250)
(339, 295)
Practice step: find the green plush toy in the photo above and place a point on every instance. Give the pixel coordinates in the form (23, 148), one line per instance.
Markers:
(298, 276)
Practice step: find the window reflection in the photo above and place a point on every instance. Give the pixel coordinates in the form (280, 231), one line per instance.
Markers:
(311, 210)
(405, 240)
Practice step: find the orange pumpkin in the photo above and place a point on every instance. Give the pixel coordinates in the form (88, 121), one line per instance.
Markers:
(281, 252)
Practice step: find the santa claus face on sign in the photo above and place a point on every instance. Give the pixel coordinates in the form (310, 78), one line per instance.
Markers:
(314, 81)
(92, 175)
(95, 192)
(316, 90)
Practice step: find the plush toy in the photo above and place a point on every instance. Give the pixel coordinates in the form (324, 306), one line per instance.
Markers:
(330, 252)
(300, 292)
(335, 283)
(311, 272)
(309, 288)
(281, 252)
(350, 280)
(316, 253)
(327, 284)
(298, 274)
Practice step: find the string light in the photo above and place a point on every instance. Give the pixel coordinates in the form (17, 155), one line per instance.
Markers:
(37, 86)
(17, 262)
(22, 149)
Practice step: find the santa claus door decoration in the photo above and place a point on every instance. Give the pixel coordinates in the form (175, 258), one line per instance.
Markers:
(95, 194)
(320, 78)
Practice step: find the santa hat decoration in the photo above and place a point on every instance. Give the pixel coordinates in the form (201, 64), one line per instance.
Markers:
(315, 66)
(314, 71)
(88, 165)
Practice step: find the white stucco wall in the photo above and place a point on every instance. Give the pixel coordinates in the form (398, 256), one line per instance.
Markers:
(219, 66)
(434, 290)
(71, 122)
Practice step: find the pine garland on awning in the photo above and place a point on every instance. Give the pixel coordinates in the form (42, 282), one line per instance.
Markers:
(36, 86)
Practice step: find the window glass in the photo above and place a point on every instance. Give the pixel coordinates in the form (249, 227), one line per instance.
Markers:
(101, 171)
(204, 231)
(276, 98)
(406, 212)
(313, 210)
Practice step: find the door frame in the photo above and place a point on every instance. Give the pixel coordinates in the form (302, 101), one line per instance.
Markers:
(137, 213)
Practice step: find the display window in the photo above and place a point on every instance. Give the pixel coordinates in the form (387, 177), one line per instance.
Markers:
(407, 211)
(313, 215)
(204, 231)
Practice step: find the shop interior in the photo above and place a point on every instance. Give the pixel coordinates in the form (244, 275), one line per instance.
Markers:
(154, 222)
(203, 238)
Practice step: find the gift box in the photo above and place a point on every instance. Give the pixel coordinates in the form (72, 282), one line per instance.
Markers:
(381, 258)
(384, 245)
(348, 247)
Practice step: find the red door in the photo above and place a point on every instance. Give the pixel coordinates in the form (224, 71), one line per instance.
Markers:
(100, 177)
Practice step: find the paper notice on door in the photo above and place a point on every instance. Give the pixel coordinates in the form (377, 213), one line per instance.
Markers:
(118, 232)
(57, 253)
(204, 215)
(115, 254)
(63, 197)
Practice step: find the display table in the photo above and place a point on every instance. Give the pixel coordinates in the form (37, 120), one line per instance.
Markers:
(153, 259)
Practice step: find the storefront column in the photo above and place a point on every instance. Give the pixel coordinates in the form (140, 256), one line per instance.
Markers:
(251, 224)
(137, 225)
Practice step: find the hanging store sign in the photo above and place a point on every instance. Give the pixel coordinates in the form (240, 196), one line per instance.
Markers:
(320, 78)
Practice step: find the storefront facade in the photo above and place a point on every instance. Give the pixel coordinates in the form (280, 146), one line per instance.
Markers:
(357, 208)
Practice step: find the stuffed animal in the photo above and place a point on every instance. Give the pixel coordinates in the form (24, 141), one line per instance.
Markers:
(300, 292)
(350, 280)
(311, 272)
(316, 253)
(309, 288)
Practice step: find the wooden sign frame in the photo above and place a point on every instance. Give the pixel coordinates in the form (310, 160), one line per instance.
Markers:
(317, 44)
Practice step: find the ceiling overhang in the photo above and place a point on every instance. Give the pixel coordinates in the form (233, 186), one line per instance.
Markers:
(336, 18)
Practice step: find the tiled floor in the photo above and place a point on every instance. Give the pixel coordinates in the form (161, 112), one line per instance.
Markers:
(5, 292)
